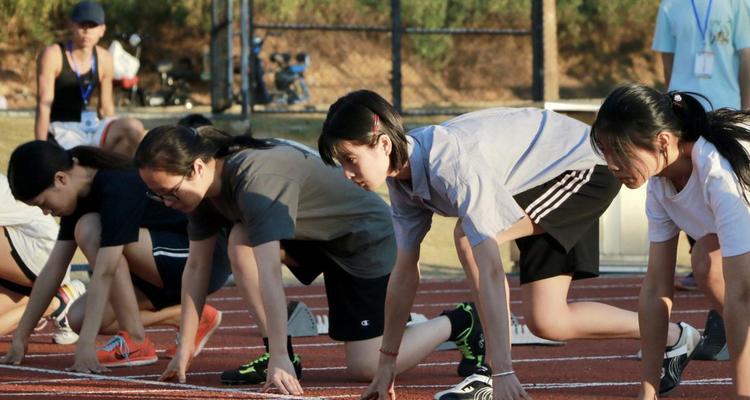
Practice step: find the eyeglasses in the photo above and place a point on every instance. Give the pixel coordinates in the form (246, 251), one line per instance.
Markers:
(171, 195)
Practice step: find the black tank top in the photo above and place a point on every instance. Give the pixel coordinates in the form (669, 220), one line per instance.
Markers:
(68, 103)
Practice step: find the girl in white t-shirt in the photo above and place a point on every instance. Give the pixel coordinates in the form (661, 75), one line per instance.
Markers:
(527, 175)
(698, 173)
(26, 240)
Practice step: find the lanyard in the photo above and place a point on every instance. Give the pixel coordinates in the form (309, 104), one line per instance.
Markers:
(703, 29)
(85, 94)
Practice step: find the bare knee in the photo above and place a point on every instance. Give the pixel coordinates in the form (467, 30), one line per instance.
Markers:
(88, 233)
(75, 314)
(546, 325)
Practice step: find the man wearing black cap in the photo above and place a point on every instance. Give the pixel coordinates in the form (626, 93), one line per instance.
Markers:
(67, 75)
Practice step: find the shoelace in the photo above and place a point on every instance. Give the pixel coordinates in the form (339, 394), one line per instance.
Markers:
(263, 358)
(115, 342)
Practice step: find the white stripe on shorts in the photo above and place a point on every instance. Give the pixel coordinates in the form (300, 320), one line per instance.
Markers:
(558, 193)
(169, 254)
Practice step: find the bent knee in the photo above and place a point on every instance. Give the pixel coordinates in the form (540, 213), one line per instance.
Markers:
(547, 327)
(88, 229)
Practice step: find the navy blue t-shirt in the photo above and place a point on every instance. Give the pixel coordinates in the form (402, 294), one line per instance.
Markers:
(119, 196)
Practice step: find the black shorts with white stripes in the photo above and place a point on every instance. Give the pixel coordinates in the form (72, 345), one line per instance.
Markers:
(170, 251)
(568, 209)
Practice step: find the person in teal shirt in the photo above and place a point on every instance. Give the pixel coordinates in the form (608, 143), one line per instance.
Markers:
(705, 48)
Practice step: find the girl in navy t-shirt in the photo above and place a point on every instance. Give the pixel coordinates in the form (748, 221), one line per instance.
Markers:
(136, 247)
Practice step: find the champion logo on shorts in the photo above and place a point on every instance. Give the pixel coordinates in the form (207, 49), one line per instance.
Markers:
(365, 322)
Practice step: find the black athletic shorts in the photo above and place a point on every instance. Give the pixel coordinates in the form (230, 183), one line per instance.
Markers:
(356, 306)
(170, 251)
(568, 208)
(12, 286)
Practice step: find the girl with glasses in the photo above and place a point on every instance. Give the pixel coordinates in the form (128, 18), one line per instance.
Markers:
(136, 247)
(282, 204)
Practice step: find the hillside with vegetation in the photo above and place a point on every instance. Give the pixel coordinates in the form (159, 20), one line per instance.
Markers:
(601, 43)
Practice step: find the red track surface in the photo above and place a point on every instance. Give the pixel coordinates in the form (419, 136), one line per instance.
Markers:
(591, 369)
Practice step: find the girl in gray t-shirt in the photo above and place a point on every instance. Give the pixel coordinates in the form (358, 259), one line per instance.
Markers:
(283, 204)
(527, 175)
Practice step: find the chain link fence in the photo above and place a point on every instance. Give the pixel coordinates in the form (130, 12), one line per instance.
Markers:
(304, 66)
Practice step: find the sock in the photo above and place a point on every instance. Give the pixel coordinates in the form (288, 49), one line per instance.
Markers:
(460, 320)
(60, 308)
(289, 348)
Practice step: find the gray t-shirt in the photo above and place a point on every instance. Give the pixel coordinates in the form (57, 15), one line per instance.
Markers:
(288, 193)
(471, 167)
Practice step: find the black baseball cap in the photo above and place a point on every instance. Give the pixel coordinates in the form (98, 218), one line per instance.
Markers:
(88, 11)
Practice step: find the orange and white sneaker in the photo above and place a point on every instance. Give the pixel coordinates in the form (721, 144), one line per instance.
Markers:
(122, 351)
(210, 320)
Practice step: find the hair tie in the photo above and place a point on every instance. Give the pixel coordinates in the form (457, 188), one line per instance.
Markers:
(375, 123)
(677, 98)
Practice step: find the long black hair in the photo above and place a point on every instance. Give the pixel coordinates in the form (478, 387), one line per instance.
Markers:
(33, 165)
(174, 148)
(361, 117)
(633, 115)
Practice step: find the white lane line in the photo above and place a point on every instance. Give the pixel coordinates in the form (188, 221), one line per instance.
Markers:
(448, 291)
(167, 385)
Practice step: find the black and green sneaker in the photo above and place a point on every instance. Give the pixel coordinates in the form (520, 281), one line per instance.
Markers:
(471, 345)
(254, 372)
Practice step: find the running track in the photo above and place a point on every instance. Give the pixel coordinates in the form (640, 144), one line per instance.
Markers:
(587, 369)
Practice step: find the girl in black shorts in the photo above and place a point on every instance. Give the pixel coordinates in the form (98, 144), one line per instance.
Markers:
(527, 175)
(129, 240)
(283, 204)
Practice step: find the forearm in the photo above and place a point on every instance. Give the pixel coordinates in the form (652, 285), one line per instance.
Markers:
(493, 305)
(194, 289)
(97, 298)
(654, 308)
(736, 310)
(41, 122)
(272, 295)
(402, 288)
(43, 291)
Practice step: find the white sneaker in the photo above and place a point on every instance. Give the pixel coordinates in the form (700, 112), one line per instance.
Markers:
(64, 334)
(475, 387)
(67, 294)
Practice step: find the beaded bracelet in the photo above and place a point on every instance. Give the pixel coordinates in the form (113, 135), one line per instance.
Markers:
(506, 373)
(389, 353)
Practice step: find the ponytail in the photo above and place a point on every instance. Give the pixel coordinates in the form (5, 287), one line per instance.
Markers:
(33, 165)
(174, 148)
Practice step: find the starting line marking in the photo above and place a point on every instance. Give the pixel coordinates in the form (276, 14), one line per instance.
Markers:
(169, 386)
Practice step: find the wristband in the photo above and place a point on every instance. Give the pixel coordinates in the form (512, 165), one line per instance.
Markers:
(389, 353)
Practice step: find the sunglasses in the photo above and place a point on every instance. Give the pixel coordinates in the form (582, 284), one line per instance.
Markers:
(171, 195)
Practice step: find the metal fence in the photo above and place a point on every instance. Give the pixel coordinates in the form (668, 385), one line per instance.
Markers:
(474, 79)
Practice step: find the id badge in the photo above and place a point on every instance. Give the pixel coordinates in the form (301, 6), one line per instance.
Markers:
(89, 121)
(704, 64)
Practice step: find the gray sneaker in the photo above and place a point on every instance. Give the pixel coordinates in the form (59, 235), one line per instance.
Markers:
(714, 346)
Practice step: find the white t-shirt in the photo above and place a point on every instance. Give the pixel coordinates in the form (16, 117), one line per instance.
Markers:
(471, 167)
(710, 202)
(32, 233)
